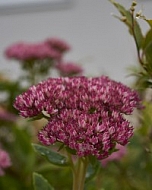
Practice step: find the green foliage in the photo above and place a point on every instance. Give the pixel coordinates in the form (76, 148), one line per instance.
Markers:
(71, 151)
(143, 42)
(132, 24)
(18, 143)
(53, 157)
(11, 90)
(41, 183)
(92, 171)
(134, 172)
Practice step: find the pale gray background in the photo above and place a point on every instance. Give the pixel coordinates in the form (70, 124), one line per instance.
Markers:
(100, 42)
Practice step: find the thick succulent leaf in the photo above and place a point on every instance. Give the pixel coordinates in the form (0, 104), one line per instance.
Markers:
(40, 183)
(129, 23)
(53, 157)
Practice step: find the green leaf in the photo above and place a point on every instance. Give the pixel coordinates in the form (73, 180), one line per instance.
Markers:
(71, 151)
(148, 54)
(130, 23)
(53, 157)
(143, 81)
(38, 117)
(148, 38)
(61, 147)
(149, 22)
(123, 12)
(146, 119)
(21, 148)
(92, 171)
(40, 183)
(92, 160)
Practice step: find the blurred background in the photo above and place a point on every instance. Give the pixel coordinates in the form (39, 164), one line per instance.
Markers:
(101, 44)
(99, 41)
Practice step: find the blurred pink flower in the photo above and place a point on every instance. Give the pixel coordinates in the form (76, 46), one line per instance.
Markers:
(6, 116)
(69, 69)
(58, 44)
(85, 114)
(115, 156)
(25, 51)
(5, 161)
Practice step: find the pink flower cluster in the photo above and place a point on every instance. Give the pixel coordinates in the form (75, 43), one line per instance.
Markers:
(86, 114)
(5, 161)
(69, 69)
(26, 51)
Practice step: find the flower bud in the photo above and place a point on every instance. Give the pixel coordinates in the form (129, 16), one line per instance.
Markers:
(123, 19)
(134, 3)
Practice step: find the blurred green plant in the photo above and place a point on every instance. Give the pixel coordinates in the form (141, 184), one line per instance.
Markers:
(135, 170)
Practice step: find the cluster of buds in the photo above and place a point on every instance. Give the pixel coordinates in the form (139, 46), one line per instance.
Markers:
(85, 114)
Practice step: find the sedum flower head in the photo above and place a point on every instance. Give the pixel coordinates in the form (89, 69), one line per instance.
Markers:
(85, 114)
(27, 51)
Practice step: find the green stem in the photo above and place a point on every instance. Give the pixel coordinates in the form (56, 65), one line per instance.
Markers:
(33, 74)
(73, 170)
(79, 168)
(79, 175)
(84, 164)
(76, 176)
(98, 180)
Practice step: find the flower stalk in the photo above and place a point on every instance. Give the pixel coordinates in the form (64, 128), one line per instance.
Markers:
(79, 169)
